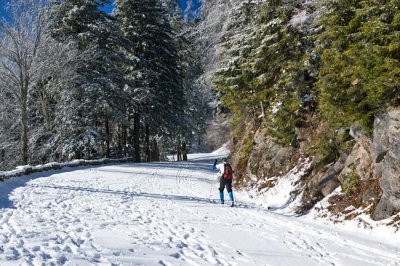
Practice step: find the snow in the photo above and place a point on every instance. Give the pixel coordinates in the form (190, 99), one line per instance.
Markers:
(21, 170)
(282, 196)
(299, 19)
(361, 224)
(167, 214)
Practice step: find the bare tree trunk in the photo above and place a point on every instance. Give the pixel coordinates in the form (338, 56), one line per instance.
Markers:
(43, 97)
(88, 149)
(61, 156)
(184, 151)
(155, 151)
(19, 44)
(24, 124)
(124, 140)
(148, 155)
(108, 137)
(119, 139)
(136, 137)
(179, 149)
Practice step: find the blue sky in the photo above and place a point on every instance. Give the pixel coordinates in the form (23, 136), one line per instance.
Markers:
(183, 4)
(2, 11)
(107, 8)
(196, 5)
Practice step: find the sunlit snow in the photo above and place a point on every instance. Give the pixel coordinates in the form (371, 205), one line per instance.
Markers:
(165, 214)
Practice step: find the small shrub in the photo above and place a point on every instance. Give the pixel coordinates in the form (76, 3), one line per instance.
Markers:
(352, 184)
(247, 148)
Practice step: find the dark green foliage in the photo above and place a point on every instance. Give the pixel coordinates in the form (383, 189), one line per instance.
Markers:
(347, 73)
(95, 96)
(157, 78)
(360, 68)
(264, 70)
(247, 148)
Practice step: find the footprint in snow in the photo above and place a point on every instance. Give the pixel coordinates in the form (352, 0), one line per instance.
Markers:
(20, 243)
(67, 249)
(181, 245)
(117, 253)
(61, 260)
(176, 255)
(5, 240)
(239, 253)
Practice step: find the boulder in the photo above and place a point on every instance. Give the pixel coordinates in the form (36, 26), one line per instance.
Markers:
(269, 159)
(387, 146)
(329, 181)
(360, 161)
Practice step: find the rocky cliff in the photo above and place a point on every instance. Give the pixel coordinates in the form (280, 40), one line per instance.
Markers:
(354, 168)
(368, 174)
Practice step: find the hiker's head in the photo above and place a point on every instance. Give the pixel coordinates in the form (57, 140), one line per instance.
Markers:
(223, 160)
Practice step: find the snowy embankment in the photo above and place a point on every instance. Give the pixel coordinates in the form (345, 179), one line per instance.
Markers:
(165, 214)
(27, 169)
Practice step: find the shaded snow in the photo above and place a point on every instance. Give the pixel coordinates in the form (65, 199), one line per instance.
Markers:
(165, 214)
(283, 196)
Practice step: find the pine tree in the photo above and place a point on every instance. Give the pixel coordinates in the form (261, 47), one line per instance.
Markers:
(97, 98)
(231, 78)
(264, 74)
(156, 77)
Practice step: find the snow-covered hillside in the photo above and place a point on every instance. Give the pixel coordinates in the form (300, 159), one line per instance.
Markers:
(165, 214)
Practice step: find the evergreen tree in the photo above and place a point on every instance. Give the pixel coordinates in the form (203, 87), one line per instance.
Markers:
(264, 74)
(156, 77)
(360, 68)
(96, 97)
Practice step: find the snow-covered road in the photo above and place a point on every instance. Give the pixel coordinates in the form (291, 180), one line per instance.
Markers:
(162, 214)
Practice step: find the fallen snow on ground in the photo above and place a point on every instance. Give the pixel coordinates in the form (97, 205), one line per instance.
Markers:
(283, 196)
(165, 214)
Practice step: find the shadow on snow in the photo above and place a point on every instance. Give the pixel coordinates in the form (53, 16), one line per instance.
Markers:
(193, 165)
(145, 195)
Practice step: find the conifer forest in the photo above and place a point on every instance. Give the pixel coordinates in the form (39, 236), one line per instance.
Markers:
(80, 83)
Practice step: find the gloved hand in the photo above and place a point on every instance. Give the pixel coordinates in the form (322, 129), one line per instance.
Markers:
(218, 177)
(214, 167)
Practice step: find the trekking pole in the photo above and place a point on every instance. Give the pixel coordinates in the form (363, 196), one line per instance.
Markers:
(211, 188)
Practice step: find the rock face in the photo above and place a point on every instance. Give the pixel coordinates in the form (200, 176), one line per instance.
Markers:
(367, 169)
(368, 173)
(387, 147)
(359, 164)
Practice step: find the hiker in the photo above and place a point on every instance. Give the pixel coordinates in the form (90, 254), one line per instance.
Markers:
(225, 179)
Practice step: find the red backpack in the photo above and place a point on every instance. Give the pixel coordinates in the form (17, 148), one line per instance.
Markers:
(228, 173)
